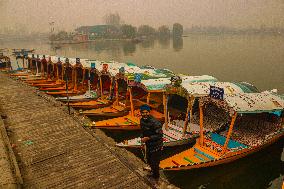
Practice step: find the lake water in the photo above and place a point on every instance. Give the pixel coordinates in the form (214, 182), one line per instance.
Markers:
(258, 60)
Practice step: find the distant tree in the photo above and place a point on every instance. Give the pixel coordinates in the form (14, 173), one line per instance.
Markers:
(146, 30)
(128, 31)
(112, 19)
(52, 37)
(164, 31)
(177, 30)
(62, 35)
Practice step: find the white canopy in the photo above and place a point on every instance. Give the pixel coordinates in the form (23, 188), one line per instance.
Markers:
(198, 89)
(254, 102)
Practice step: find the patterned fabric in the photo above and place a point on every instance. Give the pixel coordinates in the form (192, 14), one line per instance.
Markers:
(137, 77)
(216, 92)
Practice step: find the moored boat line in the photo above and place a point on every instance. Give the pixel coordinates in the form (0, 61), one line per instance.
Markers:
(111, 89)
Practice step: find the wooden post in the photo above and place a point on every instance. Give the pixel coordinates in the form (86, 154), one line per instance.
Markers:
(101, 86)
(24, 62)
(72, 79)
(75, 80)
(165, 110)
(42, 70)
(83, 77)
(36, 68)
(131, 101)
(62, 71)
(57, 73)
(46, 70)
(201, 123)
(89, 81)
(110, 87)
(148, 97)
(116, 92)
(186, 118)
(229, 133)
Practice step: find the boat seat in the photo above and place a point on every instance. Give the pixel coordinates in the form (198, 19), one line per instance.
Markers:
(221, 141)
(171, 135)
(187, 159)
(203, 153)
(198, 157)
(177, 164)
(118, 108)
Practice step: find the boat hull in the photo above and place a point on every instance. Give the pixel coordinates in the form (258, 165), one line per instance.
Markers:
(107, 112)
(229, 157)
(92, 104)
(127, 122)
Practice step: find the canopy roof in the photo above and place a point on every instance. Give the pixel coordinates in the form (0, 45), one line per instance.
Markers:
(199, 89)
(160, 84)
(113, 67)
(248, 102)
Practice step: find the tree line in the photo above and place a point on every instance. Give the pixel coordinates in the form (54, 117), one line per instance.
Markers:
(127, 31)
(130, 31)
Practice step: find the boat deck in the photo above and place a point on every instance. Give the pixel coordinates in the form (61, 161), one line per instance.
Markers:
(52, 148)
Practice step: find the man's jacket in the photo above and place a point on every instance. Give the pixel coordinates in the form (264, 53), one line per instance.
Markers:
(152, 128)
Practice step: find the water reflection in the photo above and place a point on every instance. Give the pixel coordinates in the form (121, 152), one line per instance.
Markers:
(227, 57)
(129, 48)
(147, 44)
(164, 42)
(177, 43)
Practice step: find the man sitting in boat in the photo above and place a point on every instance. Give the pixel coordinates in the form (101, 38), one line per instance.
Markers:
(152, 136)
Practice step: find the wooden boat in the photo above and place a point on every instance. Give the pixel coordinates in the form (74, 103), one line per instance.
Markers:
(54, 88)
(49, 84)
(108, 111)
(115, 110)
(154, 90)
(102, 101)
(128, 122)
(72, 92)
(181, 129)
(29, 77)
(118, 108)
(155, 98)
(172, 136)
(258, 120)
(92, 104)
(89, 95)
(19, 74)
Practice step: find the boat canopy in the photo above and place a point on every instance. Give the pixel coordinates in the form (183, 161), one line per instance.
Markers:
(248, 103)
(113, 67)
(160, 84)
(199, 89)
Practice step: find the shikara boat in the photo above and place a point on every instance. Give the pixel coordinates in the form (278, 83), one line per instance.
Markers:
(181, 99)
(118, 108)
(54, 88)
(105, 87)
(75, 74)
(113, 83)
(121, 105)
(89, 95)
(154, 90)
(256, 121)
(155, 98)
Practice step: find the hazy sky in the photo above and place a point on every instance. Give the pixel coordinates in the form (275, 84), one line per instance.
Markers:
(68, 14)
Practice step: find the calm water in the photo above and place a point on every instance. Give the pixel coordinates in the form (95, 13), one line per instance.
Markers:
(255, 59)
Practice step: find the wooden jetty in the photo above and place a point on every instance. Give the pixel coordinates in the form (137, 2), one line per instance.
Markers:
(52, 148)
